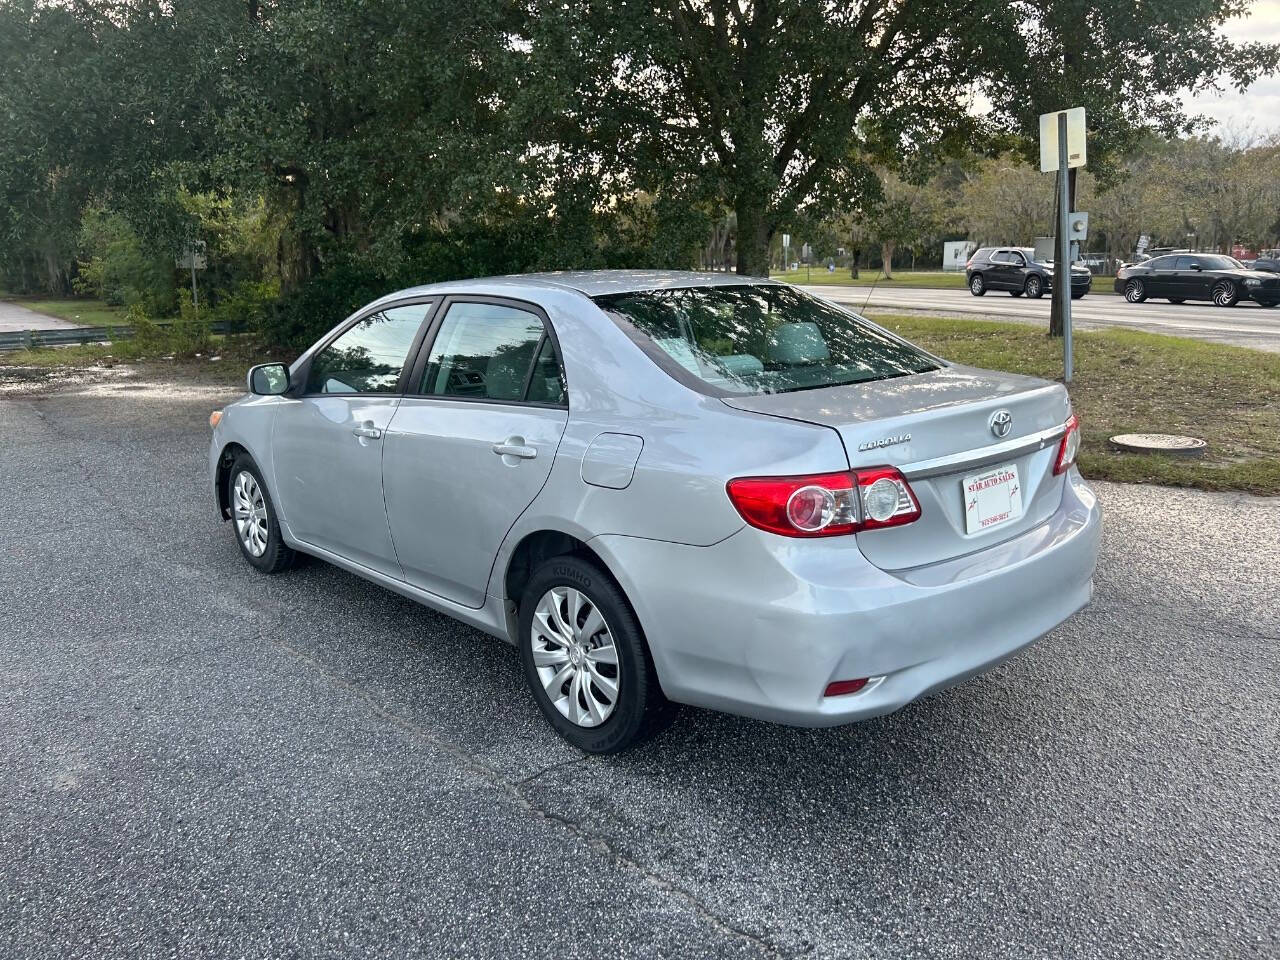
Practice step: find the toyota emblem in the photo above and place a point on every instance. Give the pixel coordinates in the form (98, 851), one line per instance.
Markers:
(1001, 423)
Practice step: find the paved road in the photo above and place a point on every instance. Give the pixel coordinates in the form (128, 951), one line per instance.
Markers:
(14, 316)
(196, 760)
(1246, 324)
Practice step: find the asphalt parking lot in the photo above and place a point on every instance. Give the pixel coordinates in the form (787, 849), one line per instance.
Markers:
(199, 760)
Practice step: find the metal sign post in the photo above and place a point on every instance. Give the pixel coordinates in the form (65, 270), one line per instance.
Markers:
(1062, 146)
(1062, 269)
(194, 257)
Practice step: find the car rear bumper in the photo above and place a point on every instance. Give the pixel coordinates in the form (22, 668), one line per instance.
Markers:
(759, 624)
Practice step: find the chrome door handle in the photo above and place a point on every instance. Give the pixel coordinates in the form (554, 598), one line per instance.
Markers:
(367, 433)
(513, 447)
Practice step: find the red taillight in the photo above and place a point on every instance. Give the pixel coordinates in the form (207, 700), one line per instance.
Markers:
(825, 504)
(840, 688)
(1068, 446)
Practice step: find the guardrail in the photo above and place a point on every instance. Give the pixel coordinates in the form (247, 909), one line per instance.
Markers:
(66, 336)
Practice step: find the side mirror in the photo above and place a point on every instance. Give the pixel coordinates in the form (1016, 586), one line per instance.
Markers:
(269, 379)
(1196, 267)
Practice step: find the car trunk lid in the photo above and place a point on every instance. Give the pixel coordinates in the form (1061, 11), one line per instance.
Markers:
(937, 428)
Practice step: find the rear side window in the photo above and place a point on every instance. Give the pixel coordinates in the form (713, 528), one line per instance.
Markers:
(1161, 263)
(369, 356)
(983, 254)
(756, 338)
(487, 351)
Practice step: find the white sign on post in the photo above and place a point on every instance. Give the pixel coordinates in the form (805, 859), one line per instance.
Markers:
(1049, 139)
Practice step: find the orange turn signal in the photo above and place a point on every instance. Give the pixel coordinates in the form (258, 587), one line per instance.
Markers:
(215, 418)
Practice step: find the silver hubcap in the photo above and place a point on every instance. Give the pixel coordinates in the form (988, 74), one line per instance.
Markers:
(250, 509)
(1133, 292)
(976, 284)
(1033, 286)
(574, 655)
(1222, 296)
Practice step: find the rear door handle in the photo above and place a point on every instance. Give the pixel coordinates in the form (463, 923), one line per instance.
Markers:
(515, 447)
(367, 433)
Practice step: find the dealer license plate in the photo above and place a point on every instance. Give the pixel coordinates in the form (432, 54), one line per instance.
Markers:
(992, 498)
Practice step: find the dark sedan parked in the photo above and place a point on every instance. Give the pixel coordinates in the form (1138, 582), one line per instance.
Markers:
(1197, 276)
(1017, 270)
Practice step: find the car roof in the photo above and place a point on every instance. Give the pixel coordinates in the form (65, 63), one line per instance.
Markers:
(592, 283)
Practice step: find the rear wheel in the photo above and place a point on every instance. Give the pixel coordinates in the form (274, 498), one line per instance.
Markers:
(1225, 294)
(977, 286)
(1035, 287)
(585, 658)
(1135, 291)
(254, 517)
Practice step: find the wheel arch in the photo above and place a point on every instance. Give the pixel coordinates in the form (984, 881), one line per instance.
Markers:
(534, 549)
(226, 457)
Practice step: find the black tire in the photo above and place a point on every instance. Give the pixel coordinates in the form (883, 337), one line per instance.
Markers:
(640, 710)
(277, 555)
(1267, 305)
(1035, 287)
(977, 285)
(1177, 300)
(1226, 294)
(1135, 291)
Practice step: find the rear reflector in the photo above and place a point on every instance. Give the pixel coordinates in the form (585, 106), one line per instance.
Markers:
(842, 688)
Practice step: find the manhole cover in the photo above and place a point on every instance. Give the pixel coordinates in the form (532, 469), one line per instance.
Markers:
(1168, 444)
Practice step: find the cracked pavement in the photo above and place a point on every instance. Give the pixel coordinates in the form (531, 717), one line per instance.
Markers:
(196, 760)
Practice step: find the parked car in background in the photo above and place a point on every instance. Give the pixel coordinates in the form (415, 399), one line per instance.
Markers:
(1197, 276)
(1016, 270)
(671, 486)
(1266, 264)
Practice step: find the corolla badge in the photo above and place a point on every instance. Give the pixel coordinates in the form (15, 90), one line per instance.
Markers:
(1001, 423)
(884, 442)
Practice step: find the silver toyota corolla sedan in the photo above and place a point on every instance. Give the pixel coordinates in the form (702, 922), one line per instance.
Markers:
(671, 487)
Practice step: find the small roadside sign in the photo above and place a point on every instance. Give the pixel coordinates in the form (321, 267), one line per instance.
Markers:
(1049, 139)
(193, 257)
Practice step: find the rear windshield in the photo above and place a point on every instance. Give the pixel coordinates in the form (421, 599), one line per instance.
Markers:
(753, 338)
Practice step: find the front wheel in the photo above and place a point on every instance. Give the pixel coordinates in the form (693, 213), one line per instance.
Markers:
(977, 286)
(1225, 294)
(585, 658)
(1135, 291)
(254, 517)
(1035, 287)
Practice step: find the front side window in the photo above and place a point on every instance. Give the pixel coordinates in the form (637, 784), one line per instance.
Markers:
(1184, 263)
(1219, 263)
(488, 351)
(758, 338)
(369, 356)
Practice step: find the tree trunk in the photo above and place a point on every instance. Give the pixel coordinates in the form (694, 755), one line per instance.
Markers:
(886, 254)
(754, 236)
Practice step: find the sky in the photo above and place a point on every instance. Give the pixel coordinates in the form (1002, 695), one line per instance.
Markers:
(1258, 108)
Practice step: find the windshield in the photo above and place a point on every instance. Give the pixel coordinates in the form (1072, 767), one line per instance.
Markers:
(757, 338)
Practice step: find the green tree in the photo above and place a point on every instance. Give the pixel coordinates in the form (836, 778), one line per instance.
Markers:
(775, 108)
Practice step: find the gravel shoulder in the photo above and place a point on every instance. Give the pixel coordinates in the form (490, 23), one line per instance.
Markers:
(196, 760)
